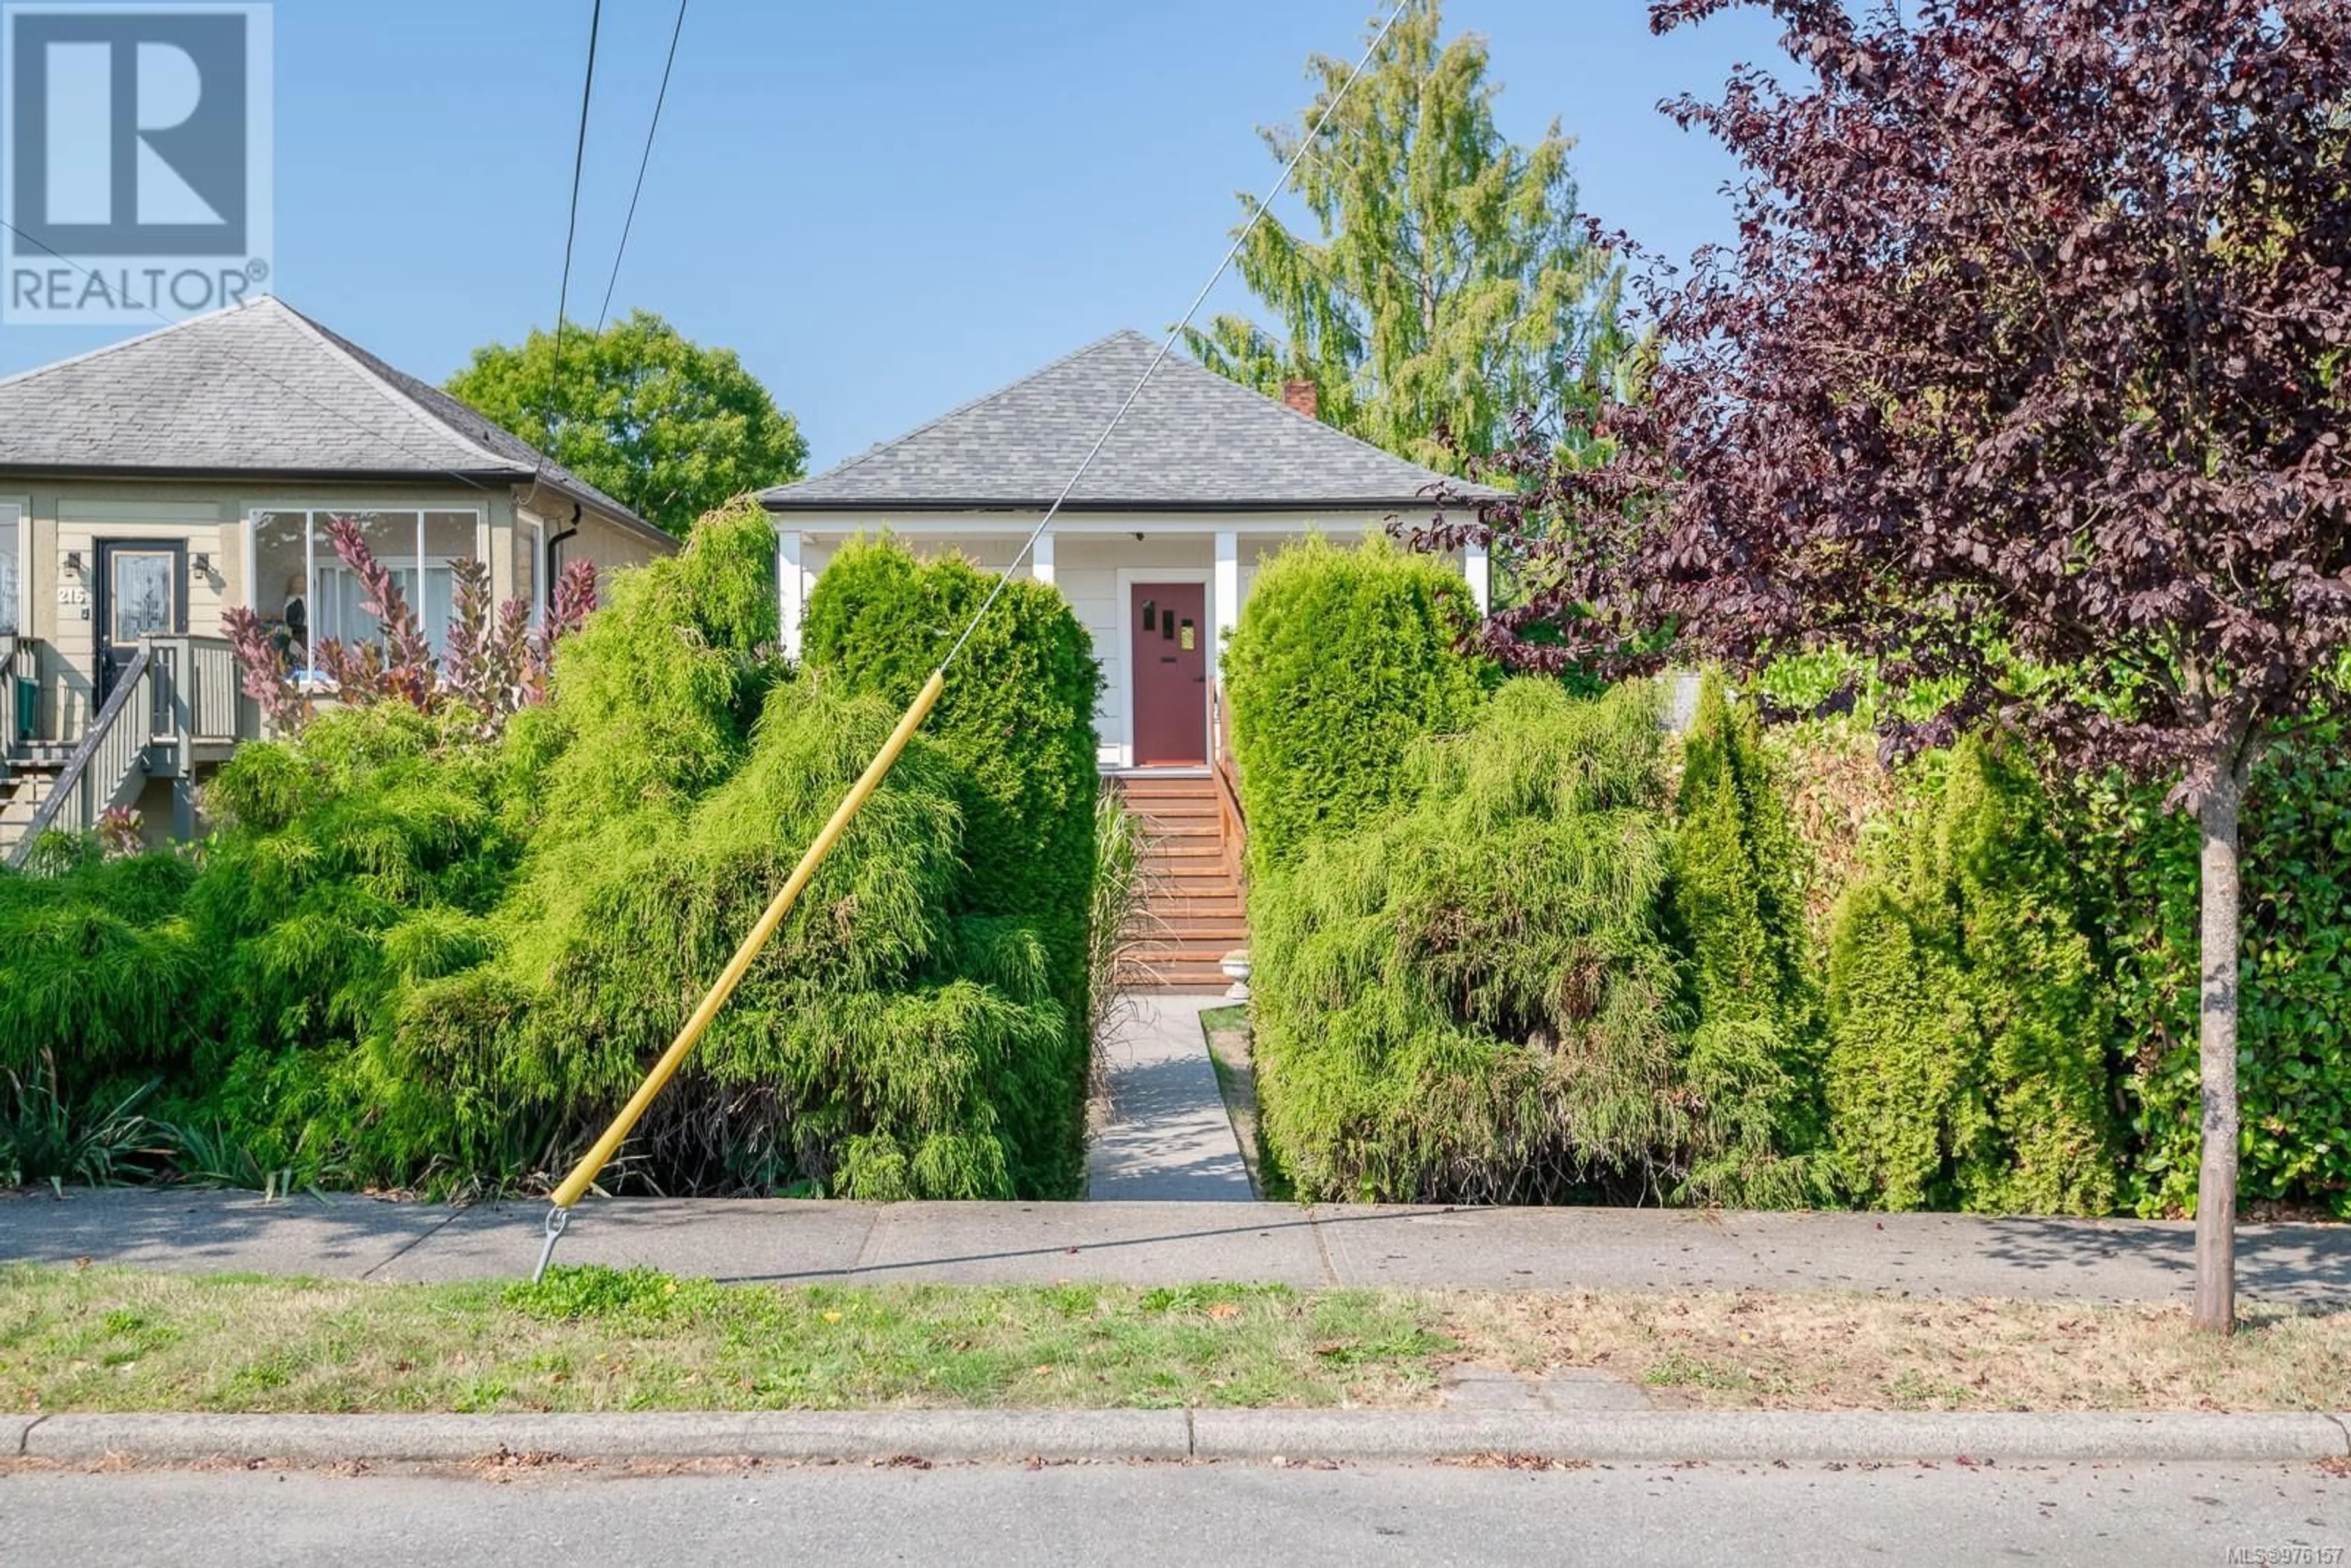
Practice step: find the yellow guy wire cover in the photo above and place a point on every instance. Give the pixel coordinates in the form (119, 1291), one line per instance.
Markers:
(575, 1186)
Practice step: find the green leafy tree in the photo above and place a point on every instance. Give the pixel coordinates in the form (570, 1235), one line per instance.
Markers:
(1451, 286)
(665, 426)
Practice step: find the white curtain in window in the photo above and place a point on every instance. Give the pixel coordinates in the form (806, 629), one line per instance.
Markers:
(341, 615)
(12, 581)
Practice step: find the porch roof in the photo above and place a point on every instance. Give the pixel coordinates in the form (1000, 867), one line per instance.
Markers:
(1193, 441)
(260, 389)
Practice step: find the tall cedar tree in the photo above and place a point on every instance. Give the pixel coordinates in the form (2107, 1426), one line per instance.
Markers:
(1451, 284)
(2030, 359)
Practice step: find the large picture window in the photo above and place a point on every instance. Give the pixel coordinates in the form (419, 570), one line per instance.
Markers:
(13, 529)
(304, 593)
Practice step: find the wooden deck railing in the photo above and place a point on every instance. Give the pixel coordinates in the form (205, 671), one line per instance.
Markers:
(177, 703)
(10, 736)
(1232, 827)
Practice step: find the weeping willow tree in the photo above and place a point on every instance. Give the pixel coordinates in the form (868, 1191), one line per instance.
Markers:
(1446, 285)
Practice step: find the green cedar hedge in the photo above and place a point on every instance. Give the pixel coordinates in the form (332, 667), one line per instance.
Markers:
(1472, 997)
(1016, 722)
(1968, 1024)
(1341, 660)
(1736, 905)
(1017, 716)
(2294, 1065)
(409, 957)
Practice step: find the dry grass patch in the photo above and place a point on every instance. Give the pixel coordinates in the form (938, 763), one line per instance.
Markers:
(1751, 1350)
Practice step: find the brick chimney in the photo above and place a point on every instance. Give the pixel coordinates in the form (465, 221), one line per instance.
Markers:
(1300, 395)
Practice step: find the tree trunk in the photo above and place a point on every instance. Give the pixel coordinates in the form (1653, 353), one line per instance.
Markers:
(2216, 1183)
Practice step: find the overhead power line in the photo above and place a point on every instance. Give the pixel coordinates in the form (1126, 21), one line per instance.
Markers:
(571, 229)
(661, 98)
(1257, 216)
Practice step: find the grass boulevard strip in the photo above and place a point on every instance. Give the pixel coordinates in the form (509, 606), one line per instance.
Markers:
(96, 1339)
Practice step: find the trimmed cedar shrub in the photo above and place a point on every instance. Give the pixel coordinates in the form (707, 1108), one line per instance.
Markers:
(2293, 1067)
(1736, 904)
(1472, 997)
(1968, 1023)
(99, 971)
(1016, 718)
(1342, 661)
(422, 958)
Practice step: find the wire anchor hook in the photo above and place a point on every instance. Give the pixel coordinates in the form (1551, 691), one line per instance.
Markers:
(558, 1220)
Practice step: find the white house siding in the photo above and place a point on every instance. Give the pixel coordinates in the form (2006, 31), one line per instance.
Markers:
(1092, 559)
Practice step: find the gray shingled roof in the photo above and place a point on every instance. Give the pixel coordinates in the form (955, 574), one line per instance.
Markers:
(1193, 441)
(260, 389)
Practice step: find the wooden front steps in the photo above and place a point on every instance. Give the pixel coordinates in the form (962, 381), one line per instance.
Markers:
(1191, 914)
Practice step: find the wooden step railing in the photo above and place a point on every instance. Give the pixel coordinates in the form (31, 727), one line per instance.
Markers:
(1231, 825)
(178, 697)
(110, 758)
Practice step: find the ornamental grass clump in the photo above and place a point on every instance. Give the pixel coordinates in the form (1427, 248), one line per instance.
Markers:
(1472, 997)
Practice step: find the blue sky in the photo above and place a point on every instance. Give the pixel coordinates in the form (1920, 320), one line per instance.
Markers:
(885, 207)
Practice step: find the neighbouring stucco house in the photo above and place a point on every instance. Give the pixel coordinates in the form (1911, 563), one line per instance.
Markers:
(1155, 549)
(149, 487)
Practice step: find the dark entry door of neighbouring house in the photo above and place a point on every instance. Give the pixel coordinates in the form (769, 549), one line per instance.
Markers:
(142, 590)
(1171, 673)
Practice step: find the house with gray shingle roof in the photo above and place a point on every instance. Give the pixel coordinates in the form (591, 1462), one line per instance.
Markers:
(150, 487)
(1157, 545)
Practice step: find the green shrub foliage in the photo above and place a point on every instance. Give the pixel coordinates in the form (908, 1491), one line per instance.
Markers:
(98, 969)
(1968, 1024)
(2294, 1065)
(1472, 997)
(1342, 661)
(1754, 1056)
(1017, 720)
(1015, 723)
(412, 958)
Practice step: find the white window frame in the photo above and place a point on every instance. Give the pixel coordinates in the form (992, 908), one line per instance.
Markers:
(313, 567)
(18, 511)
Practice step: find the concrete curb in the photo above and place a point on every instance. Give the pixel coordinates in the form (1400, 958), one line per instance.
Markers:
(1628, 1437)
(1664, 1437)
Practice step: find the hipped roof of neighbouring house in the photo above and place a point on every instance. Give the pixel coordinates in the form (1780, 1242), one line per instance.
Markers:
(259, 390)
(1193, 441)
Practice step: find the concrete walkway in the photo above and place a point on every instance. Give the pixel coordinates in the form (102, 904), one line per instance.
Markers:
(784, 1241)
(1169, 1140)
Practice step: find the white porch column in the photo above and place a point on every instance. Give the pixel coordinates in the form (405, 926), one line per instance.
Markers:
(791, 589)
(1478, 568)
(1225, 614)
(1040, 560)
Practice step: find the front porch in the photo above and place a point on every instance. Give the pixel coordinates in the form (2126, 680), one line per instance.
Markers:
(1159, 595)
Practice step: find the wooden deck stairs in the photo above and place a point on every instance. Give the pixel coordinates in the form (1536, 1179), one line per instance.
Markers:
(1191, 910)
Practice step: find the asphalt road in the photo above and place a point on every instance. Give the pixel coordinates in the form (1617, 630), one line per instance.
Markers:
(1917, 1516)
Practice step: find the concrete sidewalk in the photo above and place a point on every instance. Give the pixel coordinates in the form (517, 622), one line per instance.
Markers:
(1168, 1139)
(786, 1241)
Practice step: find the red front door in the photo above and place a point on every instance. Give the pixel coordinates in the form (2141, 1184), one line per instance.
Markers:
(1170, 651)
